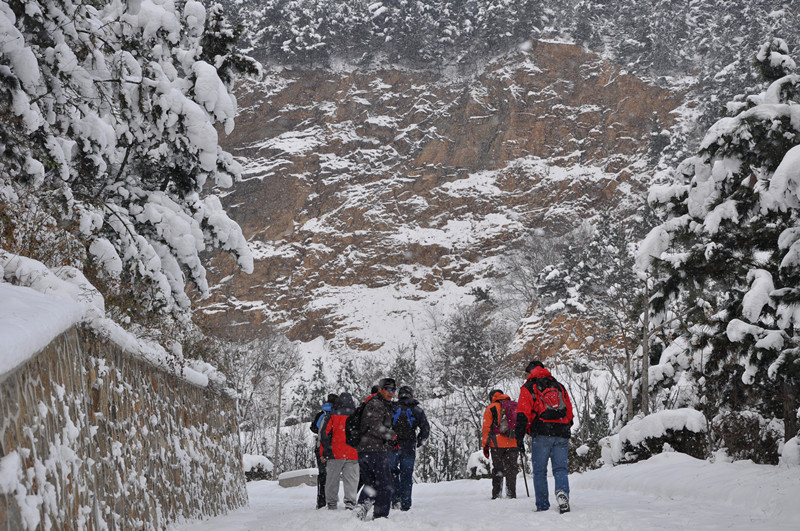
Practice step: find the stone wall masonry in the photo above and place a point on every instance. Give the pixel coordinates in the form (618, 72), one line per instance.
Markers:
(103, 440)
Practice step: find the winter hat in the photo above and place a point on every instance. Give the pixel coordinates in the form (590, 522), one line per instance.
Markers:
(387, 382)
(405, 392)
(493, 392)
(532, 365)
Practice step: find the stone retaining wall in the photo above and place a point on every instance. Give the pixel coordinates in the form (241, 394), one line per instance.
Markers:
(100, 439)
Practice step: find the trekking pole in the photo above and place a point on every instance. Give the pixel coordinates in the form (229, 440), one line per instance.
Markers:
(525, 473)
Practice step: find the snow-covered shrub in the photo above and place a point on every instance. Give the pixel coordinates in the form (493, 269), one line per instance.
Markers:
(478, 466)
(790, 455)
(748, 435)
(679, 430)
(587, 456)
(256, 467)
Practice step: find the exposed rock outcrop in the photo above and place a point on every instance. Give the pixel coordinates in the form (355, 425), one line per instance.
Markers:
(398, 188)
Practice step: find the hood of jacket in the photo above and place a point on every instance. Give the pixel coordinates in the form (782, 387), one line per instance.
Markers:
(327, 407)
(344, 405)
(408, 401)
(540, 372)
(498, 396)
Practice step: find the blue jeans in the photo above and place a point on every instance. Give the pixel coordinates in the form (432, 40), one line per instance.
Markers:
(402, 464)
(555, 449)
(377, 478)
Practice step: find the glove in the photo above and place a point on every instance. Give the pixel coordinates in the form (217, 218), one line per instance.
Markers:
(395, 444)
(486, 452)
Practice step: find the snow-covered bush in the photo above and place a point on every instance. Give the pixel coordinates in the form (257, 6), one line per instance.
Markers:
(478, 466)
(679, 430)
(748, 435)
(256, 467)
(790, 456)
(584, 457)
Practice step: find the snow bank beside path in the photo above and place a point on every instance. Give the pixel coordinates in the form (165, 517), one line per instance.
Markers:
(769, 491)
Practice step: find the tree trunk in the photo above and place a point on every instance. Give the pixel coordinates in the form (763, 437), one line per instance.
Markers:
(629, 384)
(277, 432)
(790, 425)
(646, 355)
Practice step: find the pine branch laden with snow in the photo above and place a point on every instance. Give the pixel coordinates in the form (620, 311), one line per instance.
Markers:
(729, 252)
(113, 109)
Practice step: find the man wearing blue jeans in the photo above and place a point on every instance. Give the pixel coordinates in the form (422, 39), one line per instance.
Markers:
(407, 418)
(544, 410)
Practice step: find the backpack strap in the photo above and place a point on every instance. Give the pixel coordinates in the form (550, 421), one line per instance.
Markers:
(495, 411)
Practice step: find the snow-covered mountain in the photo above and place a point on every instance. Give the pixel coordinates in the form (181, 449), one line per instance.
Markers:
(376, 200)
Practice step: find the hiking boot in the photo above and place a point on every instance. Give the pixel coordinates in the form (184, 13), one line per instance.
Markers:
(563, 501)
(362, 512)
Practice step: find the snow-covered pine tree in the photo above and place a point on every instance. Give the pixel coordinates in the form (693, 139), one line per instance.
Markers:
(111, 110)
(727, 254)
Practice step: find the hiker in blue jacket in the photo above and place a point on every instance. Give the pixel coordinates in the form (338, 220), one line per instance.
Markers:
(407, 418)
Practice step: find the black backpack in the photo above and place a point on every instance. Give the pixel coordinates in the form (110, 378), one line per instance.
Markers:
(352, 426)
(403, 421)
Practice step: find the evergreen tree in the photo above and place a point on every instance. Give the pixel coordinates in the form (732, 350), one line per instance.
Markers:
(726, 253)
(112, 112)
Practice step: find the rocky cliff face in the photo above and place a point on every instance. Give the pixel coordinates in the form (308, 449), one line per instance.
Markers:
(376, 200)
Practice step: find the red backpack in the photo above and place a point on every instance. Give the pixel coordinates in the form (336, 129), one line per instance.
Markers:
(550, 404)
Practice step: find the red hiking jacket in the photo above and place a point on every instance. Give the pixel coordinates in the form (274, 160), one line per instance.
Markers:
(333, 442)
(531, 409)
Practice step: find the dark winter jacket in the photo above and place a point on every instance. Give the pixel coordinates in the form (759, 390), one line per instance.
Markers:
(529, 409)
(376, 425)
(332, 434)
(327, 407)
(420, 420)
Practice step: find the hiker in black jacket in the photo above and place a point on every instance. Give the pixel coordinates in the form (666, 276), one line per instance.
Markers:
(373, 460)
(408, 418)
(319, 419)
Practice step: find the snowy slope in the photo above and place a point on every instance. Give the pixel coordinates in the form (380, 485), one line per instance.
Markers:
(669, 491)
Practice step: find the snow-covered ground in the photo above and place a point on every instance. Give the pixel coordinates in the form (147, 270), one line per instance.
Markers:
(669, 491)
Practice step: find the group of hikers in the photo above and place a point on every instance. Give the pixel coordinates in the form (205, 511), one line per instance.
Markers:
(371, 448)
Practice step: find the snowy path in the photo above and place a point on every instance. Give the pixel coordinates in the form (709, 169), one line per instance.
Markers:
(670, 491)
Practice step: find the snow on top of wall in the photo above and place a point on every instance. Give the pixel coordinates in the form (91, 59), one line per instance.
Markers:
(44, 303)
(298, 473)
(29, 321)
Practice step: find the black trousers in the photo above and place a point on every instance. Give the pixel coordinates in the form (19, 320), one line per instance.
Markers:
(505, 464)
(320, 481)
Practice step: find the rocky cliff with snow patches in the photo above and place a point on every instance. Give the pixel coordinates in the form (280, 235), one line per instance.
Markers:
(376, 200)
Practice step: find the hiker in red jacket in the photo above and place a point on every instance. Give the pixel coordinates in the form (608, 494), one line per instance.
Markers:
(340, 459)
(498, 438)
(545, 411)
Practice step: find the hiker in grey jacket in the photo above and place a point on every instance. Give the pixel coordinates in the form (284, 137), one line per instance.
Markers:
(373, 458)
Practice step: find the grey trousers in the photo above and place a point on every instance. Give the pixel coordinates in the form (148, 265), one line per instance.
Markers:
(348, 470)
